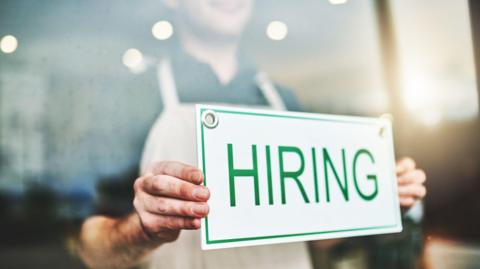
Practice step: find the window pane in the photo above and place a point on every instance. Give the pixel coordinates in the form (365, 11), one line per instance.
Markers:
(330, 56)
(436, 57)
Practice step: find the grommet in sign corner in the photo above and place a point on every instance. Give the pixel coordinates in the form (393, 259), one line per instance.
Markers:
(210, 119)
(381, 131)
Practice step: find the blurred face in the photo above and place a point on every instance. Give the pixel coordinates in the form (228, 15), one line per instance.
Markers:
(215, 18)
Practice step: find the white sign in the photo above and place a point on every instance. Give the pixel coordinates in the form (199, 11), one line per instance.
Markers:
(279, 177)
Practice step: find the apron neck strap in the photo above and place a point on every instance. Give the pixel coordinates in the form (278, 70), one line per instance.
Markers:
(269, 91)
(168, 89)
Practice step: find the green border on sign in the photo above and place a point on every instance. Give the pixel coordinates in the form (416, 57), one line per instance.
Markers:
(220, 241)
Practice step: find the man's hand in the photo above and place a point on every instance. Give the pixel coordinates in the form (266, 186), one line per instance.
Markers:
(410, 183)
(169, 198)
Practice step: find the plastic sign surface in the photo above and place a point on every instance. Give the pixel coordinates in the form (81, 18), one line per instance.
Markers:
(277, 177)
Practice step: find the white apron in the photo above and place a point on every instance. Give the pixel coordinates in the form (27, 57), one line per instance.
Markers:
(172, 137)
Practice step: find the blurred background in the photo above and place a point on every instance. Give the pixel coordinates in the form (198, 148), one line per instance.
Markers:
(67, 66)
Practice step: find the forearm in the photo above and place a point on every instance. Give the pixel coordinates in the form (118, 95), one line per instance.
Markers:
(114, 243)
(167, 200)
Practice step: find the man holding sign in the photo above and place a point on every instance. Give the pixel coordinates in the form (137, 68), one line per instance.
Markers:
(172, 195)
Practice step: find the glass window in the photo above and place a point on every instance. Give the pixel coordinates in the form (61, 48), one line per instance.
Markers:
(71, 89)
(436, 59)
(330, 55)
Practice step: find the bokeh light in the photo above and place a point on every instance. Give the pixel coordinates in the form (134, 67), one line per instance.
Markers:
(277, 30)
(162, 30)
(422, 99)
(337, 2)
(8, 44)
(132, 58)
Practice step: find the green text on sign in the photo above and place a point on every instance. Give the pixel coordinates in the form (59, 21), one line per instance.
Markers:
(342, 181)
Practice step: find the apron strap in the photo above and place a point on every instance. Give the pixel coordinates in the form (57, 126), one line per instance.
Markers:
(168, 89)
(269, 91)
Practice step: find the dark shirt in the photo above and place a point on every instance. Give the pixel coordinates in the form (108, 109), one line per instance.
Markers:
(196, 83)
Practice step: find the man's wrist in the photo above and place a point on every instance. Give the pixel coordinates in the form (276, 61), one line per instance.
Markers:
(140, 233)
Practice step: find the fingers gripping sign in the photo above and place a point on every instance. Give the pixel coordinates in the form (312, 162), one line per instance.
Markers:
(411, 182)
(169, 198)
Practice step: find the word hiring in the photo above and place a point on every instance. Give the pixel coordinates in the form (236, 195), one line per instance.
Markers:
(340, 182)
